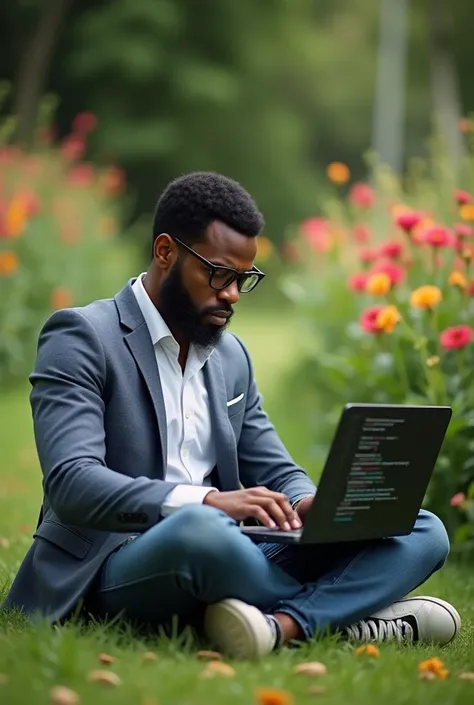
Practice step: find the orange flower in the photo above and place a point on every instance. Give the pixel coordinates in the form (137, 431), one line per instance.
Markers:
(434, 665)
(387, 319)
(467, 211)
(16, 217)
(338, 173)
(378, 284)
(8, 262)
(61, 298)
(466, 125)
(112, 180)
(264, 248)
(368, 649)
(273, 696)
(457, 279)
(426, 296)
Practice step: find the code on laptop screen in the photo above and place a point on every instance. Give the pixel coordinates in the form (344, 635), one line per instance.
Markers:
(378, 470)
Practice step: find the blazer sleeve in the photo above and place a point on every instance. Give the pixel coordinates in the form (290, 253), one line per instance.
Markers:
(263, 459)
(67, 401)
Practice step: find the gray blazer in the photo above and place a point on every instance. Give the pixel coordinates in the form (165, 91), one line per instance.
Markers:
(100, 430)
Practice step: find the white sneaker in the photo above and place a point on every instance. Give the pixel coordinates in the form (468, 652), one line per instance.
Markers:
(240, 630)
(426, 619)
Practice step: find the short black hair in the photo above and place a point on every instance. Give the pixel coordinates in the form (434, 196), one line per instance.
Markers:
(190, 203)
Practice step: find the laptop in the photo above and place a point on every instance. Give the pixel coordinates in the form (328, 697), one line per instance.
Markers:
(375, 477)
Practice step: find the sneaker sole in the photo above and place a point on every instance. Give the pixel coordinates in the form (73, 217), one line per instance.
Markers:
(237, 629)
(454, 614)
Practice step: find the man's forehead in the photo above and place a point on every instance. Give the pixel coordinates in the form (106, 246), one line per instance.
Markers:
(224, 243)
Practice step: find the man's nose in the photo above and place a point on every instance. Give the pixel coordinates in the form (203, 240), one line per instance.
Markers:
(230, 294)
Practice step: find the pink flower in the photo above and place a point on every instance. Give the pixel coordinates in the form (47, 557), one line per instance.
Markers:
(391, 249)
(362, 233)
(462, 197)
(362, 195)
(457, 499)
(395, 273)
(409, 220)
(357, 282)
(368, 319)
(463, 230)
(81, 175)
(438, 236)
(456, 337)
(315, 232)
(84, 123)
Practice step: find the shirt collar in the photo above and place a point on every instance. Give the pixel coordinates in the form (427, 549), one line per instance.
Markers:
(158, 329)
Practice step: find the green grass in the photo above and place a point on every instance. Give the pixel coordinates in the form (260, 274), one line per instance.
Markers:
(35, 659)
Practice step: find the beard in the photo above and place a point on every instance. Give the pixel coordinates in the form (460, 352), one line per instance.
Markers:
(180, 312)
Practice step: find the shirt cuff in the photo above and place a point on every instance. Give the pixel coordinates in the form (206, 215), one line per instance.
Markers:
(182, 495)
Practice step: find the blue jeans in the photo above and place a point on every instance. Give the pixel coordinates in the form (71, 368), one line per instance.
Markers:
(198, 556)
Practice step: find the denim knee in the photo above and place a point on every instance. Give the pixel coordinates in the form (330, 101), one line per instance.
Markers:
(201, 530)
(435, 536)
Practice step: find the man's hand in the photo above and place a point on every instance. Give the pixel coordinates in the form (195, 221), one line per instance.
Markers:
(270, 508)
(303, 507)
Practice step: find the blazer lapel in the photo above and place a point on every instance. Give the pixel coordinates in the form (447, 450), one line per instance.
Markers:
(141, 347)
(226, 447)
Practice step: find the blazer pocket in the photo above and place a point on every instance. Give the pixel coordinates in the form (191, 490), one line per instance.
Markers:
(64, 537)
(236, 405)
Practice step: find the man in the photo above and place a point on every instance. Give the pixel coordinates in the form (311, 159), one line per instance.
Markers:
(154, 446)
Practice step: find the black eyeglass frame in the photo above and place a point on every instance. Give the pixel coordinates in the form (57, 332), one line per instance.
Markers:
(236, 275)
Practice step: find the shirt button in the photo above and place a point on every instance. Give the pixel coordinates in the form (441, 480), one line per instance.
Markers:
(185, 453)
(187, 415)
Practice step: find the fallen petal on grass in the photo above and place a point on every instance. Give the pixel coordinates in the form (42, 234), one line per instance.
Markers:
(4, 543)
(467, 676)
(367, 650)
(209, 656)
(3, 679)
(316, 690)
(106, 659)
(149, 656)
(217, 668)
(311, 668)
(427, 676)
(273, 696)
(60, 695)
(104, 678)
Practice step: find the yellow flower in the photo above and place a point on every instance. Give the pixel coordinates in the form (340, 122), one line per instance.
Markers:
(368, 649)
(457, 279)
(425, 296)
(338, 173)
(265, 248)
(467, 211)
(388, 319)
(8, 262)
(378, 284)
(434, 665)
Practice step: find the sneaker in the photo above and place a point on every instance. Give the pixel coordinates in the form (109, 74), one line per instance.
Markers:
(425, 619)
(240, 630)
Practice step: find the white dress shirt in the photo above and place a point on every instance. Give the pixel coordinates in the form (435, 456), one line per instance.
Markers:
(191, 451)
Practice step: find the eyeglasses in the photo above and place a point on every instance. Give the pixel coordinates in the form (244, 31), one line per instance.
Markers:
(221, 277)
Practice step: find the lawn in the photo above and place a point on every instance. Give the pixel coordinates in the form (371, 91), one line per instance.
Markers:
(34, 660)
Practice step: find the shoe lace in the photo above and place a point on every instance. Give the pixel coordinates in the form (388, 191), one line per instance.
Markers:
(380, 630)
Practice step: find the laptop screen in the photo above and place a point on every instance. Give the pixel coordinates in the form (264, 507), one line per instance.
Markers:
(378, 470)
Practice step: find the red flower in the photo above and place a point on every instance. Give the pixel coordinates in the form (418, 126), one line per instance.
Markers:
(315, 232)
(84, 123)
(409, 220)
(368, 254)
(81, 175)
(362, 195)
(463, 230)
(395, 273)
(73, 147)
(362, 233)
(470, 289)
(462, 197)
(357, 282)
(438, 236)
(391, 249)
(368, 319)
(456, 337)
